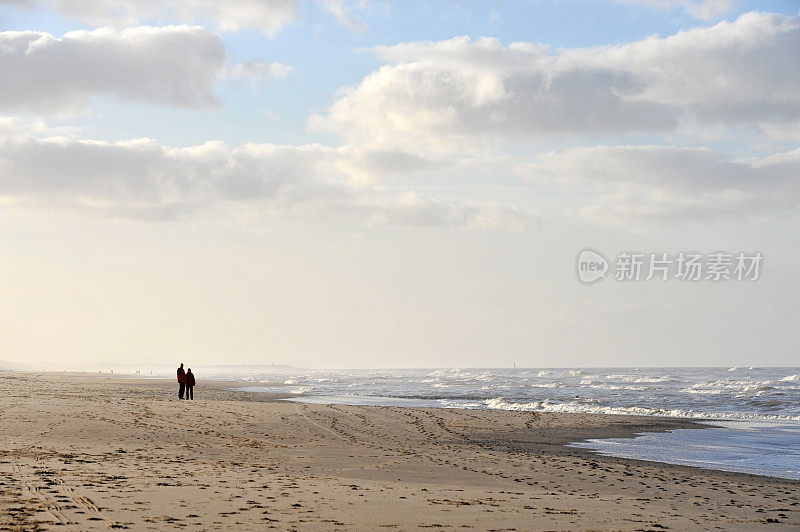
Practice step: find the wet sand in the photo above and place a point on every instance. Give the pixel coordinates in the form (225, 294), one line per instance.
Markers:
(84, 452)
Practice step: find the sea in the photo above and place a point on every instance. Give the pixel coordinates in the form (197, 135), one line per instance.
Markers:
(753, 413)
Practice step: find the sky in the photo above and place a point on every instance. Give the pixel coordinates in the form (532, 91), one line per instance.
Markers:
(366, 184)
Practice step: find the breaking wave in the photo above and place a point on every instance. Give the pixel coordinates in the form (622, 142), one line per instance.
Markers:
(582, 408)
(712, 393)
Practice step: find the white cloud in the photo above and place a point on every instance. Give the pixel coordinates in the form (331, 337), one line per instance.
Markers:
(172, 65)
(258, 71)
(702, 9)
(13, 125)
(143, 179)
(344, 14)
(458, 92)
(268, 16)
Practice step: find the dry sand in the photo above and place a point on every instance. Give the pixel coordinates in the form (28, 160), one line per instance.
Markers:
(84, 452)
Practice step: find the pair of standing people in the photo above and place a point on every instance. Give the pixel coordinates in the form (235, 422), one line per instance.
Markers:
(185, 383)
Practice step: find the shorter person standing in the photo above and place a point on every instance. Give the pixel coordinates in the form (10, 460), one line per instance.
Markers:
(189, 384)
(181, 381)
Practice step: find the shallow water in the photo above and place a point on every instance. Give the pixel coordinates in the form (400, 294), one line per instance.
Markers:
(744, 446)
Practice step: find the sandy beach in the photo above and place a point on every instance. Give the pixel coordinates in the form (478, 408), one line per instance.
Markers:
(85, 452)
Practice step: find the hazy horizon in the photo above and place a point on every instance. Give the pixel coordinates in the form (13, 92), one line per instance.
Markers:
(169, 368)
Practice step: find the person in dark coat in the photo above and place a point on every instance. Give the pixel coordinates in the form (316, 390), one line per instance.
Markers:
(189, 384)
(181, 381)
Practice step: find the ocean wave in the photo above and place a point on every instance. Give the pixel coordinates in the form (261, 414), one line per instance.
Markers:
(730, 384)
(583, 408)
(655, 380)
(629, 387)
(703, 391)
(603, 390)
(455, 398)
(599, 384)
(738, 389)
(758, 388)
(647, 379)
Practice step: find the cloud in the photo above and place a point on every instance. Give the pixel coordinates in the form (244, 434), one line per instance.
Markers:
(13, 125)
(459, 92)
(668, 184)
(172, 65)
(268, 16)
(344, 14)
(702, 9)
(175, 65)
(145, 180)
(257, 72)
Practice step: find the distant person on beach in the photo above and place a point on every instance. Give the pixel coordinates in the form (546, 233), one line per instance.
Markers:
(181, 381)
(189, 384)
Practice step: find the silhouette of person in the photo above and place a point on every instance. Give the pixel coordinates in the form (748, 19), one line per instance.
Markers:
(181, 381)
(189, 384)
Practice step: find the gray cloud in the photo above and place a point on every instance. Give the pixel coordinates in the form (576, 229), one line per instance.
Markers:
(173, 65)
(145, 180)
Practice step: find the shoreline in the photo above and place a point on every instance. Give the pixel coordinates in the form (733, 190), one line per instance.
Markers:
(612, 446)
(100, 450)
(632, 425)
